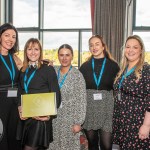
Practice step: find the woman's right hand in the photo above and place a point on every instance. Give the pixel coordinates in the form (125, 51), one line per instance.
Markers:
(144, 132)
(20, 113)
(76, 128)
(42, 118)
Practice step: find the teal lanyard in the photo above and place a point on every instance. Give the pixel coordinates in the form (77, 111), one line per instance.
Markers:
(28, 80)
(127, 73)
(98, 81)
(11, 72)
(64, 77)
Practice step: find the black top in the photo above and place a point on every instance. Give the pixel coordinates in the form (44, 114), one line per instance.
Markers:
(110, 71)
(8, 107)
(5, 79)
(37, 133)
(44, 80)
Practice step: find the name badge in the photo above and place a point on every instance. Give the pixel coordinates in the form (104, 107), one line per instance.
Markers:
(97, 96)
(119, 95)
(12, 92)
(60, 105)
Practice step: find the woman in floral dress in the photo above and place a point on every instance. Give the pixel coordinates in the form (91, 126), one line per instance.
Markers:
(131, 119)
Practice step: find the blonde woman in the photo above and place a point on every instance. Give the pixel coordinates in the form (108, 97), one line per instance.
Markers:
(131, 119)
(35, 77)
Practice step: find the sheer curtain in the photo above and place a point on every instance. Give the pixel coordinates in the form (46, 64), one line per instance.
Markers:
(109, 22)
(128, 19)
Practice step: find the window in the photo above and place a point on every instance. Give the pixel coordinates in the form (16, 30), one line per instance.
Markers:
(85, 46)
(23, 37)
(142, 13)
(54, 23)
(25, 13)
(141, 24)
(55, 39)
(60, 14)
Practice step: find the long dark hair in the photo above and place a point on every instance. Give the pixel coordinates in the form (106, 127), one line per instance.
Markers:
(8, 26)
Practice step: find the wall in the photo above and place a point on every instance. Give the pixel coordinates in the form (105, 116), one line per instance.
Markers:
(2, 11)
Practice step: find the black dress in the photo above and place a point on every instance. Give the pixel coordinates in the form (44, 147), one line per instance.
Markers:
(129, 111)
(38, 133)
(8, 107)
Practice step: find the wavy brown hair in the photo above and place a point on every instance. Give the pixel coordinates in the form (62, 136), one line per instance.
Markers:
(124, 61)
(31, 42)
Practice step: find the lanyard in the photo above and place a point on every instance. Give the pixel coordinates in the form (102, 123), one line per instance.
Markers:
(125, 75)
(97, 81)
(64, 78)
(11, 72)
(27, 81)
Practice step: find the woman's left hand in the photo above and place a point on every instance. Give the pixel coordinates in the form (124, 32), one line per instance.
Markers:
(144, 132)
(76, 128)
(42, 118)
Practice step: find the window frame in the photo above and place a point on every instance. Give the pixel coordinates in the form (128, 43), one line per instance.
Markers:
(40, 30)
(135, 27)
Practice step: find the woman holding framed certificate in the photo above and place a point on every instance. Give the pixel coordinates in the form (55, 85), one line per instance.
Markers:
(71, 113)
(36, 78)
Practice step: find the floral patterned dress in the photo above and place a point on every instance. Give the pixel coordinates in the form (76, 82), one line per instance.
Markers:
(130, 109)
(72, 111)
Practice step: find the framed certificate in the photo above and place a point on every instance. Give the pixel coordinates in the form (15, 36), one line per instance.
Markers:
(41, 104)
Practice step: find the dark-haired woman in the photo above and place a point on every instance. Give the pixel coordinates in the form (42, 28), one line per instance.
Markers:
(71, 113)
(99, 73)
(9, 69)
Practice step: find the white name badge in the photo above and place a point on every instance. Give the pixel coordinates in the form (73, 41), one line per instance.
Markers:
(12, 92)
(97, 96)
(119, 96)
(60, 105)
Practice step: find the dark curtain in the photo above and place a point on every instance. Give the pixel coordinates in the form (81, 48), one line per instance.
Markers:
(92, 12)
(109, 22)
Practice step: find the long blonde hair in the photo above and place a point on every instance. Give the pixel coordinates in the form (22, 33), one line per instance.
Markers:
(124, 61)
(31, 41)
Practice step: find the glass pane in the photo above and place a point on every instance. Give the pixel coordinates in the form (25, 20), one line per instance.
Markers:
(53, 40)
(85, 46)
(67, 14)
(142, 13)
(146, 39)
(25, 13)
(23, 37)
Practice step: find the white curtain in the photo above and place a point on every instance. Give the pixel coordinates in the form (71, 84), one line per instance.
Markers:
(128, 19)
